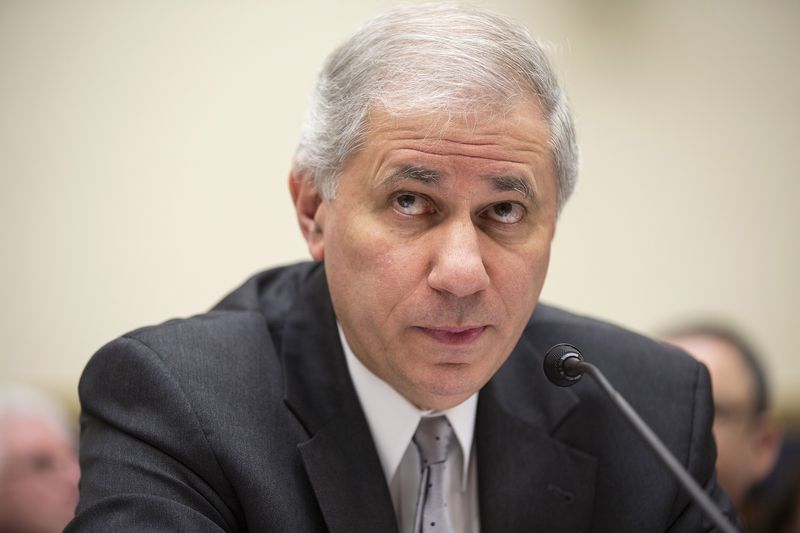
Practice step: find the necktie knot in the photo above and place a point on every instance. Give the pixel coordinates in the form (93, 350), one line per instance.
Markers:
(433, 438)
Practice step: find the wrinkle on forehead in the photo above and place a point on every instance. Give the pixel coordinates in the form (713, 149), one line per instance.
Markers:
(440, 124)
(501, 146)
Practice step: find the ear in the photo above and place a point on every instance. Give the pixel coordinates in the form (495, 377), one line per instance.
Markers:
(768, 440)
(310, 210)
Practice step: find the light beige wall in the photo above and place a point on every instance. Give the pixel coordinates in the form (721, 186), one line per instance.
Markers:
(144, 148)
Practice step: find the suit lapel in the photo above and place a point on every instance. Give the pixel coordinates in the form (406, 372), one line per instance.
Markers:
(340, 456)
(527, 479)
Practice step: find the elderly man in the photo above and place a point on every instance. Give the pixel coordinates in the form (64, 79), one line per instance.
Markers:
(38, 463)
(395, 384)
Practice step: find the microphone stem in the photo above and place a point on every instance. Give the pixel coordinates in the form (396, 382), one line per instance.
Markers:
(688, 482)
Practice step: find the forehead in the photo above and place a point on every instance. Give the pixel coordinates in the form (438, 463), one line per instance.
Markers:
(730, 373)
(497, 140)
(25, 433)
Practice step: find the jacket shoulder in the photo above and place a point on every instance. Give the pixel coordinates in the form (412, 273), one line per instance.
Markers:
(169, 396)
(605, 343)
(271, 292)
(240, 319)
(669, 389)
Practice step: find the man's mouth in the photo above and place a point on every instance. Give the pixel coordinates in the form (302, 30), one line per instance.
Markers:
(454, 335)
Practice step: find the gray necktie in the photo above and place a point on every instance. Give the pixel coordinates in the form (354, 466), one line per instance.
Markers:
(433, 438)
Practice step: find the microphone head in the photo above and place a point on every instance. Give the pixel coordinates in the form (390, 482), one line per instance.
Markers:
(554, 365)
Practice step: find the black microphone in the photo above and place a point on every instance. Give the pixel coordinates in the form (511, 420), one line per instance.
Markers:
(564, 366)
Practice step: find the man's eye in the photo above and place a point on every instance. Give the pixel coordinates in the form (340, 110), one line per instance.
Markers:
(42, 463)
(411, 204)
(505, 212)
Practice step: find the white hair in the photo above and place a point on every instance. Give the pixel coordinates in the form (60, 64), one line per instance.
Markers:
(438, 58)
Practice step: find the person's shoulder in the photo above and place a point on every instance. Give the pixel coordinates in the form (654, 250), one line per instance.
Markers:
(615, 349)
(668, 388)
(203, 359)
(262, 300)
(206, 332)
(237, 332)
(271, 292)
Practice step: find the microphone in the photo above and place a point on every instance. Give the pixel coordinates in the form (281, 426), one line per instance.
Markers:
(564, 366)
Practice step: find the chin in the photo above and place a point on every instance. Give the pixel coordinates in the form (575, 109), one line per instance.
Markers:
(443, 390)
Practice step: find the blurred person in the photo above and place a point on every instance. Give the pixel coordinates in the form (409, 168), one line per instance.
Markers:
(747, 436)
(773, 506)
(395, 383)
(38, 463)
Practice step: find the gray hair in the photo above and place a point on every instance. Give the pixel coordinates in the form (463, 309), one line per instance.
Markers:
(434, 58)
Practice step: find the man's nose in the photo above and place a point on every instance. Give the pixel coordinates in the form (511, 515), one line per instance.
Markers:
(458, 267)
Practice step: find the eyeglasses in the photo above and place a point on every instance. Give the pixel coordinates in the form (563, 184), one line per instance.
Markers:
(733, 416)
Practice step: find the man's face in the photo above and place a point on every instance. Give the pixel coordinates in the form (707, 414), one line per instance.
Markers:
(744, 455)
(437, 245)
(38, 476)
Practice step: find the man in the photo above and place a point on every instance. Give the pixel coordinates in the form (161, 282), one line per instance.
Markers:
(747, 438)
(396, 384)
(38, 463)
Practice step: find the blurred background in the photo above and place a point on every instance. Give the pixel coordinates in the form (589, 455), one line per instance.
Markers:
(144, 150)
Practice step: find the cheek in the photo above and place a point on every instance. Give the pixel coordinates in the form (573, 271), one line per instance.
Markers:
(375, 269)
(519, 277)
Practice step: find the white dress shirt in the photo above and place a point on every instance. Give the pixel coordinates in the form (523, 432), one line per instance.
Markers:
(392, 421)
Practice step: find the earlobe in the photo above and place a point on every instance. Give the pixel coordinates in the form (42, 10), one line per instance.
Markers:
(310, 211)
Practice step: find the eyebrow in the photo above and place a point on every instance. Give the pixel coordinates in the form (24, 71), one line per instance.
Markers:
(411, 172)
(511, 183)
(433, 177)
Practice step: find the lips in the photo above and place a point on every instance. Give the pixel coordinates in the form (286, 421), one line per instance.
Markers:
(454, 335)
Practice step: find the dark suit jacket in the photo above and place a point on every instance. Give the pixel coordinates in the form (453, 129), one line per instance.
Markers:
(245, 419)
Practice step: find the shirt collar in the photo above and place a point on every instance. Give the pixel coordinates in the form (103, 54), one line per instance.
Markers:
(393, 420)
